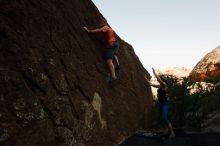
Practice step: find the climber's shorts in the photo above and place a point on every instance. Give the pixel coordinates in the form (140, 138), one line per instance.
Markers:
(164, 109)
(109, 51)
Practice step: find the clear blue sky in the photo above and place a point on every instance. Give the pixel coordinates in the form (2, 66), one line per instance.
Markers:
(165, 33)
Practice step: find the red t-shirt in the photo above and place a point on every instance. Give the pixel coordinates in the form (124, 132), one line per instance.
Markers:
(109, 36)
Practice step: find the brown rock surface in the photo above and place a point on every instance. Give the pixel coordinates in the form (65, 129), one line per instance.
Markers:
(209, 65)
(52, 78)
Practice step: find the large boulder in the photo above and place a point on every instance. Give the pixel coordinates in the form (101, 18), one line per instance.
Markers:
(53, 88)
(208, 66)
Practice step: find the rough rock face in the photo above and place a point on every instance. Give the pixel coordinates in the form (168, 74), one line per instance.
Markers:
(207, 66)
(212, 122)
(181, 139)
(53, 88)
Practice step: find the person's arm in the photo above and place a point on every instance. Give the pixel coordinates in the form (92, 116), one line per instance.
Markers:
(158, 78)
(93, 30)
(153, 85)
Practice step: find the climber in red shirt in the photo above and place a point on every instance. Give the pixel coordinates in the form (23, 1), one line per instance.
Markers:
(110, 43)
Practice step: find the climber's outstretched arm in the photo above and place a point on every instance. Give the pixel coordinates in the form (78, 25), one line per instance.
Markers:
(153, 85)
(93, 30)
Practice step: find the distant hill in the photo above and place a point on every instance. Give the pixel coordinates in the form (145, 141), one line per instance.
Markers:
(178, 72)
